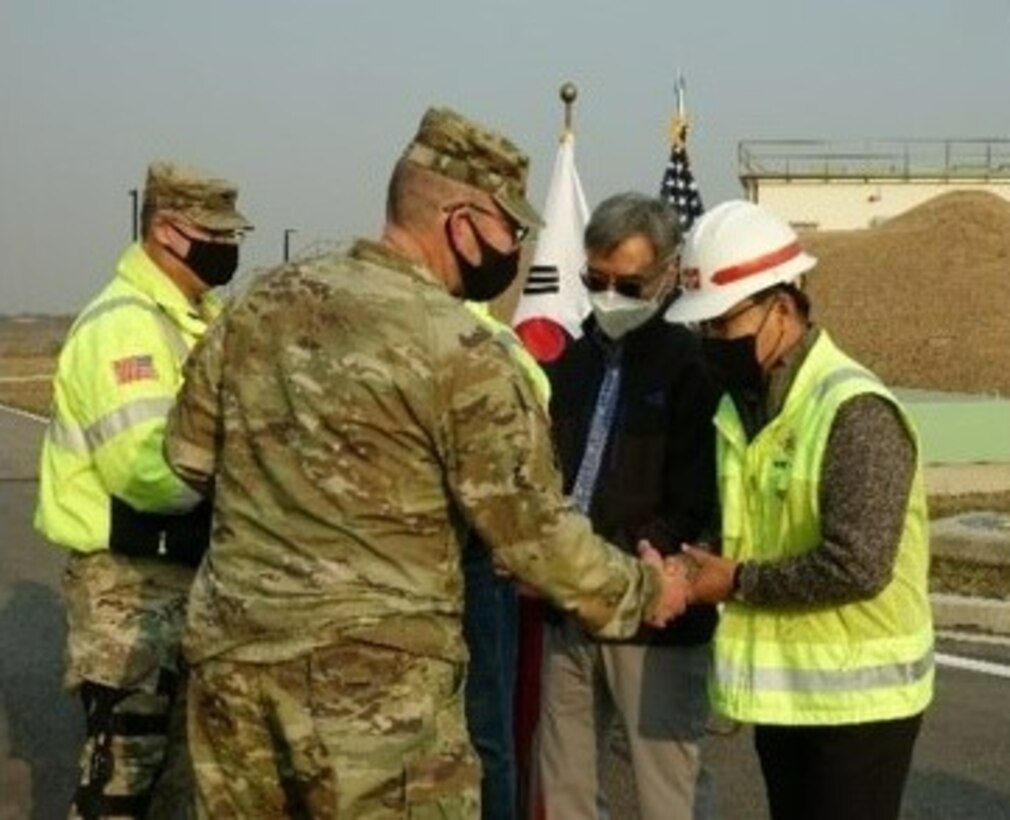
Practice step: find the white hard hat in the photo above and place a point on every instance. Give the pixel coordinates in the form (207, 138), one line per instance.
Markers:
(732, 252)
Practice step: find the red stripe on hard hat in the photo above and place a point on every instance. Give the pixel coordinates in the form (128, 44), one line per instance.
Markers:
(758, 265)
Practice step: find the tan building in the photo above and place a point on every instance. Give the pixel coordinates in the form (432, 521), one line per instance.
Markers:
(821, 185)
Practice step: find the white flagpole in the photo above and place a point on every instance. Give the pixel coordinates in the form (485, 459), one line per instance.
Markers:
(554, 304)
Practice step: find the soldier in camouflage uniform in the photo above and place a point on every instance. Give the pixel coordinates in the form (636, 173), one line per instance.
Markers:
(134, 532)
(356, 419)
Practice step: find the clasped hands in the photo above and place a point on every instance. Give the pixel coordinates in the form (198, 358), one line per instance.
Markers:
(693, 576)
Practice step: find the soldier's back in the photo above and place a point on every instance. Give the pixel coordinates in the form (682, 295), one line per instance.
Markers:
(332, 512)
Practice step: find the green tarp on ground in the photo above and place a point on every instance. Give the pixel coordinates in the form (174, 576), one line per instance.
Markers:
(960, 428)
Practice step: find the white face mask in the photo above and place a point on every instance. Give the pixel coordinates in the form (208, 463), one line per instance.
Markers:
(617, 315)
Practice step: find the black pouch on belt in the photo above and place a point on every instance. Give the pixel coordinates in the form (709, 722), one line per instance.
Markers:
(181, 539)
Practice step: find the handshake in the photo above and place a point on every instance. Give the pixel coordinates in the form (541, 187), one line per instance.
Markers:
(694, 576)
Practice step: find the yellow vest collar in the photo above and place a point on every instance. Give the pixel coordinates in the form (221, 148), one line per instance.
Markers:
(137, 268)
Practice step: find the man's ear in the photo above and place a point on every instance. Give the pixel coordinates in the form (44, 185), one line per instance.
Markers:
(160, 230)
(452, 220)
(461, 230)
(790, 304)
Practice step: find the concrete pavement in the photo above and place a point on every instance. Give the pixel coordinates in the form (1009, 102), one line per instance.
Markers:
(961, 767)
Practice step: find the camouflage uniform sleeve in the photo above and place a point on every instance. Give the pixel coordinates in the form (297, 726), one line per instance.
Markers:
(194, 422)
(502, 473)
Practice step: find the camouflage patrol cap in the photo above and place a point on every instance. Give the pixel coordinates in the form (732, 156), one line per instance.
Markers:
(207, 200)
(453, 146)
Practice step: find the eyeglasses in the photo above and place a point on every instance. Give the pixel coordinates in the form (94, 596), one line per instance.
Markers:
(631, 285)
(516, 230)
(717, 327)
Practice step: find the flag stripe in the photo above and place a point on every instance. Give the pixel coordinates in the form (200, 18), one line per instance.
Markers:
(545, 275)
(726, 276)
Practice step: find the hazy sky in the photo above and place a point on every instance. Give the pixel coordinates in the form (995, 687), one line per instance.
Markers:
(307, 103)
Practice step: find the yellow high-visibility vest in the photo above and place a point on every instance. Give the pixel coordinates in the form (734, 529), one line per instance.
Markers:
(815, 665)
(529, 367)
(117, 376)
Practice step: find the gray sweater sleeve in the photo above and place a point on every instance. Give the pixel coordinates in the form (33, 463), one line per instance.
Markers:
(866, 478)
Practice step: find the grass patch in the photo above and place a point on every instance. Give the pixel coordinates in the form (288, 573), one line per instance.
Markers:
(957, 577)
(27, 365)
(946, 505)
(962, 578)
(35, 397)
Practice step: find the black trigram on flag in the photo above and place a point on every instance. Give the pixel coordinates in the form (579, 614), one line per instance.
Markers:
(542, 279)
(679, 188)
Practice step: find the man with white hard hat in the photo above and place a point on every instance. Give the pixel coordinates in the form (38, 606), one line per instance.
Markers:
(825, 642)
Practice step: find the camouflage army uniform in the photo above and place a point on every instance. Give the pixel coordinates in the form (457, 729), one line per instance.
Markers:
(125, 618)
(357, 419)
(131, 527)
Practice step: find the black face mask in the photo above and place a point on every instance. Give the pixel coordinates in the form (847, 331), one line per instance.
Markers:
(214, 263)
(735, 362)
(491, 278)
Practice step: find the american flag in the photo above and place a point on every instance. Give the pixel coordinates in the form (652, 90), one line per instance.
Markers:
(678, 187)
(134, 369)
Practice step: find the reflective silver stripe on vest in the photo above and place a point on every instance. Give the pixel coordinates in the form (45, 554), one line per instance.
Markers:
(772, 679)
(172, 333)
(86, 439)
(843, 375)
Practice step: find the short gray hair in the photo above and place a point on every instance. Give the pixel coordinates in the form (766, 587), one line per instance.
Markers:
(622, 216)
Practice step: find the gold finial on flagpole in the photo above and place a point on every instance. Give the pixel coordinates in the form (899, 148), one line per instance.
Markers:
(678, 127)
(568, 93)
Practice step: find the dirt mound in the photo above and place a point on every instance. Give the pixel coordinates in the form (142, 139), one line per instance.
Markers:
(924, 299)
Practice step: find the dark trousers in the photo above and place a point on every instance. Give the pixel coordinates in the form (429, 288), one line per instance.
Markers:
(490, 627)
(851, 772)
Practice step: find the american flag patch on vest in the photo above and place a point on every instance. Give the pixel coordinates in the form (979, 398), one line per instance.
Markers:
(134, 369)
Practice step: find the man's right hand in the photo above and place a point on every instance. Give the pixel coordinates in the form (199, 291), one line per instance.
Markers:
(713, 580)
(674, 597)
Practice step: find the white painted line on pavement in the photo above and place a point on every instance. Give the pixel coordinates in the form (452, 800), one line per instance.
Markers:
(17, 411)
(997, 670)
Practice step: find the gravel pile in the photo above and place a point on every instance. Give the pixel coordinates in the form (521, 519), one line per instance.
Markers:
(924, 300)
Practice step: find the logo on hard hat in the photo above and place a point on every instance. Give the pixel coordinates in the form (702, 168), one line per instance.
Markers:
(690, 278)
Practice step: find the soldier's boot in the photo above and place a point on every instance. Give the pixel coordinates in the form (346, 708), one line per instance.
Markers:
(123, 753)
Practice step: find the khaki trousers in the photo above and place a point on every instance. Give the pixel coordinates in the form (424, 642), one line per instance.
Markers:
(658, 692)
